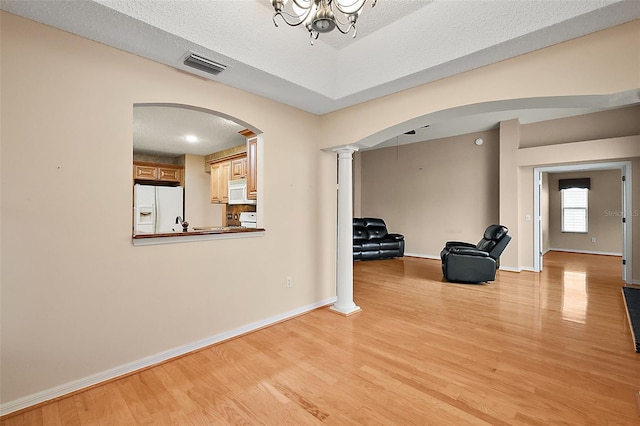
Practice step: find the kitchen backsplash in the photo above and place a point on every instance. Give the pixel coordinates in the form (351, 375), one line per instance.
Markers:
(234, 210)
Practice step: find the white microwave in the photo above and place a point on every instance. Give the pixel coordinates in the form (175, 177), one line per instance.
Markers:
(238, 192)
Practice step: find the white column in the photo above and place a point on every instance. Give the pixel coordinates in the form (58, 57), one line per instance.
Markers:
(344, 279)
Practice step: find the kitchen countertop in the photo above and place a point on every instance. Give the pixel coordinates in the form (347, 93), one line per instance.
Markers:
(194, 235)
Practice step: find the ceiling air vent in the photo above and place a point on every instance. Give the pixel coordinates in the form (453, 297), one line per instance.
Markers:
(204, 64)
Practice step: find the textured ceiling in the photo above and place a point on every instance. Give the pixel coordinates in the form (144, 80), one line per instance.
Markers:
(163, 130)
(400, 43)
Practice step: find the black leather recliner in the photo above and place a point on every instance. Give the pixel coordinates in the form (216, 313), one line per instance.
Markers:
(475, 263)
(371, 240)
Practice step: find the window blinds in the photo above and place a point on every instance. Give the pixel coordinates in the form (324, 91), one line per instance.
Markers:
(574, 209)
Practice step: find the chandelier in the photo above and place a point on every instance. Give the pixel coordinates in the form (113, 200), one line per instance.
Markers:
(320, 16)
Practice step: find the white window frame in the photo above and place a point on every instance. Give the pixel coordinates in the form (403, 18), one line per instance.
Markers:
(585, 208)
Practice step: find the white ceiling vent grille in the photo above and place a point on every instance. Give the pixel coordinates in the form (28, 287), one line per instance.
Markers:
(204, 64)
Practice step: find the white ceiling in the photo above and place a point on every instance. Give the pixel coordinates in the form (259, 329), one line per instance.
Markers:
(400, 44)
(163, 130)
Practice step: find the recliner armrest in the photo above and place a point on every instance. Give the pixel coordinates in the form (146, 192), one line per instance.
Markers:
(468, 251)
(450, 244)
(397, 237)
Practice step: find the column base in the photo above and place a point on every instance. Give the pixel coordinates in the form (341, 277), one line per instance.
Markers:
(346, 312)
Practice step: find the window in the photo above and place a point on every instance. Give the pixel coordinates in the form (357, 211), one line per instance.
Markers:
(575, 210)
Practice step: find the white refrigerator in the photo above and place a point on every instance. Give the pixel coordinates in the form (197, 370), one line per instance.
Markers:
(155, 209)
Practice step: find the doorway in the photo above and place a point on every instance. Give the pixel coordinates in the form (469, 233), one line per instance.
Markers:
(625, 213)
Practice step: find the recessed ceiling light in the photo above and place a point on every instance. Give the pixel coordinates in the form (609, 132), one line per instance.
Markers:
(191, 138)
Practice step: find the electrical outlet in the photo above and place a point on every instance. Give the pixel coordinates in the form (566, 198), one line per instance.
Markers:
(289, 282)
(593, 239)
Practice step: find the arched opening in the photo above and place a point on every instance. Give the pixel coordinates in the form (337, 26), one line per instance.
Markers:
(186, 160)
(421, 172)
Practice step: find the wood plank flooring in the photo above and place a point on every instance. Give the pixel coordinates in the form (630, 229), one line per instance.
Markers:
(528, 349)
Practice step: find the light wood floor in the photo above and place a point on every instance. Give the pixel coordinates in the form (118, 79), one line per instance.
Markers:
(528, 349)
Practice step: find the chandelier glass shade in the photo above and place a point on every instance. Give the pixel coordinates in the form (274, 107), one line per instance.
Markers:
(320, 16)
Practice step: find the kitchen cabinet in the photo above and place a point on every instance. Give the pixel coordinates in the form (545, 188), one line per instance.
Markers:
(220, 175)
(222, 172)
(169, 174)
(252, 168)
(225, 175)
(157, 172)
(239, 168)
(145, 172)
(215, 183)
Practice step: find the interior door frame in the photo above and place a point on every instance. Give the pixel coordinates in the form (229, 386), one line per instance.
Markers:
(627, 213)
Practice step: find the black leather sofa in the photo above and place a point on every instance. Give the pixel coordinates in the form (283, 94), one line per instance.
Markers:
(475, 263)
(372, 241)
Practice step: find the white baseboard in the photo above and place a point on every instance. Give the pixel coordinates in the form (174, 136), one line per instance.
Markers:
(604, 253)
(116, 372)
(510, 269)
(424, 256)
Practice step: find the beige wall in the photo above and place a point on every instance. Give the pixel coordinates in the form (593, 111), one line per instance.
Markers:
(605, 201)
(78, 299)
(509, 196)
(198, 210)
(434, 191)
(600, 125)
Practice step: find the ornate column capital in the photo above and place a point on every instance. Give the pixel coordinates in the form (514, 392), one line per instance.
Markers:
(345, 151)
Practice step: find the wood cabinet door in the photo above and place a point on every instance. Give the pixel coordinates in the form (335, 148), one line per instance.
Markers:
(238, 168)
(225, 175)
(169, 174)
(215, 183)
(252, 168)
(220, 175)
(145, 172)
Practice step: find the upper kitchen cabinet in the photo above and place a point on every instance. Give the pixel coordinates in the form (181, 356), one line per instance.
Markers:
(224, 166)
(220, 175)
(239, 168)
(143, 171)
(252, 164)
(170, 174)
